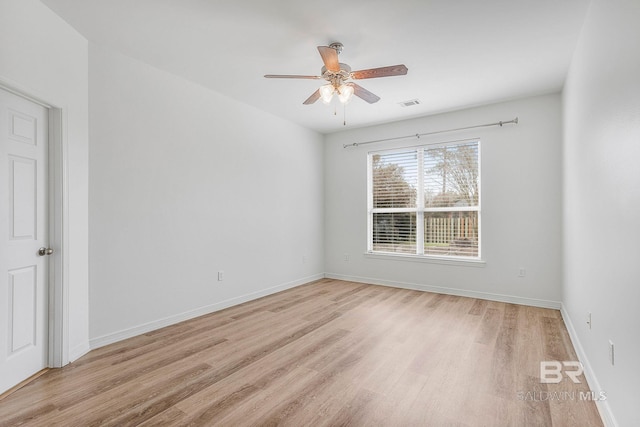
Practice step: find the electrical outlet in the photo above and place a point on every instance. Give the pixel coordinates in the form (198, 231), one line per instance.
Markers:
(346, 257)
(304, 259)
(220, 276)
(522, 272)
(589, 320)
(612, 354)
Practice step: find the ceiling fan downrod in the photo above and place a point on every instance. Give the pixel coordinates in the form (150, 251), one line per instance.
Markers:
(337, 46)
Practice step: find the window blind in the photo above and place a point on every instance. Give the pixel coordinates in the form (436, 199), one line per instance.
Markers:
(425, 200)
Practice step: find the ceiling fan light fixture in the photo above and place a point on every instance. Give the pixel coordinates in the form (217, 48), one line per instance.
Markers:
(326, 93)
(345, 92)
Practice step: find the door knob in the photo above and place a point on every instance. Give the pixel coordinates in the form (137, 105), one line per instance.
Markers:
(45, 251)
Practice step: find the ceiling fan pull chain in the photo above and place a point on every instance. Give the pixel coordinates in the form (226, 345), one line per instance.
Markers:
(344, 114)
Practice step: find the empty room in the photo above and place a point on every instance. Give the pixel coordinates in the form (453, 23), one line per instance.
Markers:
(366, 213)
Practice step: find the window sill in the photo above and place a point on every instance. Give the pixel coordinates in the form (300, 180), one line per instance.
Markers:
(428, 259)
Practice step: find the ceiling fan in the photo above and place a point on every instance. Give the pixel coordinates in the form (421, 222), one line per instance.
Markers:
(338, 76)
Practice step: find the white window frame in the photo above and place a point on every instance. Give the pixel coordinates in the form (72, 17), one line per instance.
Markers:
(420, 209)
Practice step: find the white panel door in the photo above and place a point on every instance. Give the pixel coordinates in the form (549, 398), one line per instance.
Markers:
(23, 231)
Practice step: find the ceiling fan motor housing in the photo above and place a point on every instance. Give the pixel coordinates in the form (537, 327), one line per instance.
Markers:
(336, 77)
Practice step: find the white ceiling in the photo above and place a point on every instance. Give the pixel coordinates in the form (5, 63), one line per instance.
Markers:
(460, 53)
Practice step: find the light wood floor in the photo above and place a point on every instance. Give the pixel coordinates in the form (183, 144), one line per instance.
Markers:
(327, 353)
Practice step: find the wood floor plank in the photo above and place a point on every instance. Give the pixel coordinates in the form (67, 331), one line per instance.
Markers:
(478, 308)
(489, 326)
(355, 410)
(504, 366)
(145, 400)
(327, 353)
(152, 407)
(170, 417)
(204, 405)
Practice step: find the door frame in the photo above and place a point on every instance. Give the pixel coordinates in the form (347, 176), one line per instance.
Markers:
(58, 211)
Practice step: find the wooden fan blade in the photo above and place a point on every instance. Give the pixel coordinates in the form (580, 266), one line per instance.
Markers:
(393, 70)
(361, 92)
(329, 57)
(313, 98)
(290, 76)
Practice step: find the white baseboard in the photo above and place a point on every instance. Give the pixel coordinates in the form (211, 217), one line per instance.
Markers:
(451, 291)
(170, 320)
(78, 351)
(603, 405)
(167, 321)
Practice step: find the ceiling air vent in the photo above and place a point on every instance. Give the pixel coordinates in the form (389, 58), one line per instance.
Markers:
(409, 103)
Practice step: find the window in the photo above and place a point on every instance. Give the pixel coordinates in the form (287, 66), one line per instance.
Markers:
(425, 200)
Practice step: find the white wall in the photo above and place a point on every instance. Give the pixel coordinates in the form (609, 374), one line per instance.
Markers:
(44, 57)
(185, 182)
(602, 201)
(239, 196)
(521, 204)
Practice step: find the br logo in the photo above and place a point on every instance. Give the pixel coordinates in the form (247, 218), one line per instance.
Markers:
(551, 372)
